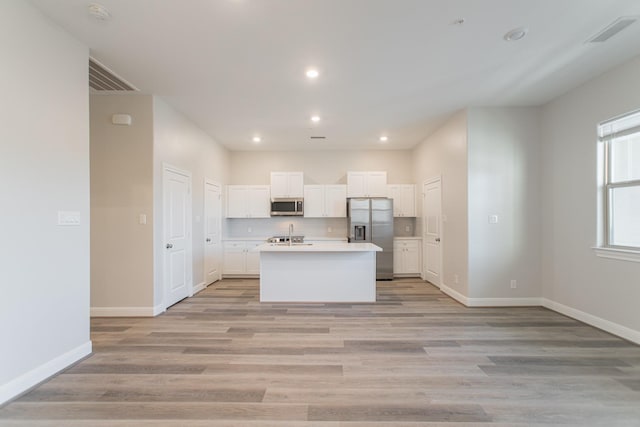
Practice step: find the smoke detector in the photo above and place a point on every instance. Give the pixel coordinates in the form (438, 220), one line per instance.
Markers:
(99, 12)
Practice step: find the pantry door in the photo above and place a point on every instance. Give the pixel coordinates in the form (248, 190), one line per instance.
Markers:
(212, 231)
(432, 231)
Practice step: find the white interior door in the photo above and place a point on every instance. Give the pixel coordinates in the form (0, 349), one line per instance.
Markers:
(432, 231)
(212, 231)
(177, 234)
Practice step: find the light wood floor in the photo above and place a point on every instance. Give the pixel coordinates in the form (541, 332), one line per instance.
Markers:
(415, 357)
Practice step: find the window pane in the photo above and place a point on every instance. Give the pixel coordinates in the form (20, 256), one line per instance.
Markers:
(625, 158)
(625, 216)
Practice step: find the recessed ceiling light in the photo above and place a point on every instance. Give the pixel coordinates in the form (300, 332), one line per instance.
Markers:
(312, 73)
(458, 21)
(516, 34)
(384, 138)
(256, 139)
(315, 119)
(99, 12)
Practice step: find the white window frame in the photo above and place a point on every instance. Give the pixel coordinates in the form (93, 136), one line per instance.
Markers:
(608, 131)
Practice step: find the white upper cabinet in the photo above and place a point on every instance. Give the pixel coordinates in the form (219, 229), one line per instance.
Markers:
(248, 201)
(404, 199)
(325, 201)
(287, 184)
(366, 184)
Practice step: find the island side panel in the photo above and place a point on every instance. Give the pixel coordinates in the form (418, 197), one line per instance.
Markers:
(318, 276)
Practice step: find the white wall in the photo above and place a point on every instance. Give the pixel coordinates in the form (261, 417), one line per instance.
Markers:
(444, 154)
(602, 291)
(44, 168)
(503, 156)
(121, 190)
(180, 143)
(319, 167)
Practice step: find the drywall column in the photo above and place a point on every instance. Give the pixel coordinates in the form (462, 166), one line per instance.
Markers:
(44, 170)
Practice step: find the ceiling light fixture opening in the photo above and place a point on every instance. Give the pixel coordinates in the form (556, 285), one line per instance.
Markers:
(459, 21)
(315, 119)
(256, 139)
(99, 12)
(384, 138)
(516, 34)
(312, 73)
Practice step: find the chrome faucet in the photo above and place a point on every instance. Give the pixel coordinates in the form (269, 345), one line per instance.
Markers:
(290, 234)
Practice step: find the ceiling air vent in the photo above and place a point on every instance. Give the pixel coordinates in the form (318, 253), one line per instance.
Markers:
(103, 79)
(614, 28)
(317, 137)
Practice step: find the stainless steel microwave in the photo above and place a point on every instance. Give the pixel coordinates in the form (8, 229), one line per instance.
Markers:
(287, 207)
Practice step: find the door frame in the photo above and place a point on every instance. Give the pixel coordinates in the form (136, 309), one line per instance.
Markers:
(204, 228)
(426, 182)
(167, 168)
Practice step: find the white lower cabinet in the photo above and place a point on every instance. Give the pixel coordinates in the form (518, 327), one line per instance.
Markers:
(407, 257)
(239, 260)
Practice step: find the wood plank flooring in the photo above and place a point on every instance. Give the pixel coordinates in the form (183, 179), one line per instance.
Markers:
(414, 358)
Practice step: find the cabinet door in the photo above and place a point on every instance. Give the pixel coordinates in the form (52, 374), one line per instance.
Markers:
(335, 201)
(395, 192)
(296, 184)
(314, 201)
(279, 184)
(233, 258)
(408, 197)
(356, 184)
(376, 184)
(398, 257)
(237, 201)
(412, 257)
(252, 260)
(259, 201)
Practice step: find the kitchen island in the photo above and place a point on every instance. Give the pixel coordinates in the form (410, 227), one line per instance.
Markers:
(329, 272)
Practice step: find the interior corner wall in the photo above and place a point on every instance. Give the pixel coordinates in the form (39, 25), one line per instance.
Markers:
(178, 142)
(444, 154)
(44, 169)
(504, 174)
(601, 291)
(121, 191)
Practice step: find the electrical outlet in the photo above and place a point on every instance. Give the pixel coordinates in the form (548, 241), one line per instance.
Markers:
(407, 228)
(142, 219)
(329, 229)
(493, 219)
(514, 284)
(248, 229)
(456, 278)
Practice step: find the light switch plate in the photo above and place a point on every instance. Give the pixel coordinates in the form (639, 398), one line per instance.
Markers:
(68, 218)
(493, 219)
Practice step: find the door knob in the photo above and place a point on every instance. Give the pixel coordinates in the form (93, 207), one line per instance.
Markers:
(437, 239)
(169, 245)
(208, 239)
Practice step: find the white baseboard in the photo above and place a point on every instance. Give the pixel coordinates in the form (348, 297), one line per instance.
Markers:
(126, 311)
(504, 302)
(35, 376)
(600, 323)
(200, 286)
(454, 294)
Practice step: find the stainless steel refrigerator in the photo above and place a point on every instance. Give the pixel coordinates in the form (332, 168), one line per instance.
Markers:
(371, 221)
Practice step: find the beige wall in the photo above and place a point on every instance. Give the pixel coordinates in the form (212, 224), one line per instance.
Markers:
(602, 291)
(180, 143)
(44, 168)
(504, 175)
(121, 191)
(444, 154)
(319, 167)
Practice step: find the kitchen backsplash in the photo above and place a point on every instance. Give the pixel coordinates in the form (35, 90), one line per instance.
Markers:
(309, 227)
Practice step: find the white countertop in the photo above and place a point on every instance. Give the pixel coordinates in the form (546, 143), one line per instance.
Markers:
(323, 247)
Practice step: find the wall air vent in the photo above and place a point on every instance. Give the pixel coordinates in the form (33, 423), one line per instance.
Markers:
(103, 79)
(612, 29)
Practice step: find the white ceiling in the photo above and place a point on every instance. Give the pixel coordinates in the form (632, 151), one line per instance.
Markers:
(395, 67)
